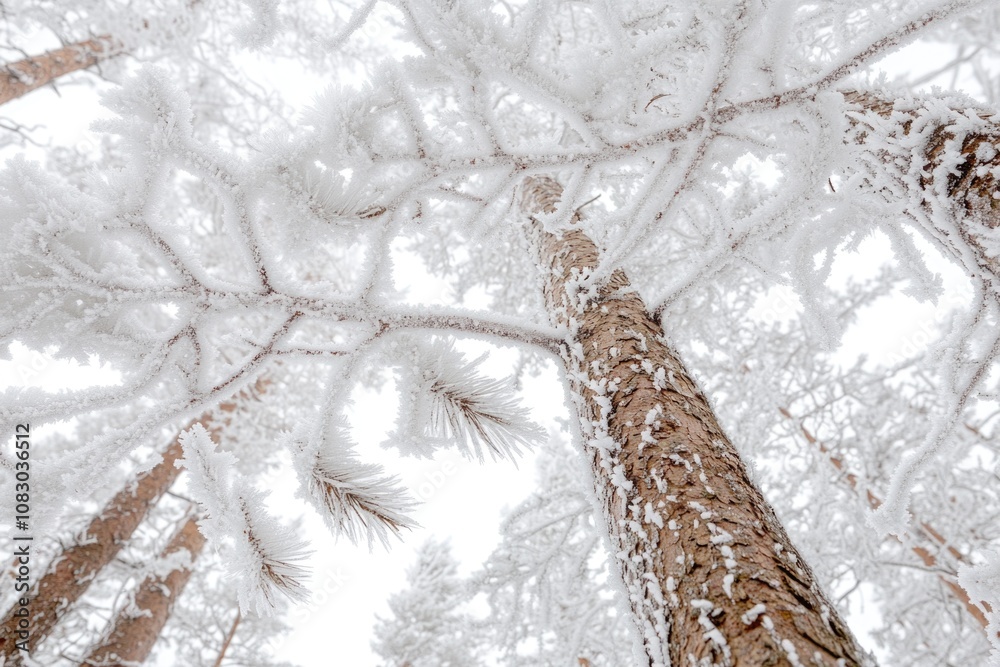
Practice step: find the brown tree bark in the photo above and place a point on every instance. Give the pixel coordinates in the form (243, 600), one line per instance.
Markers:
(25, 75)
(69, 575)
(711, 576)
(958, 164)
(135, 630)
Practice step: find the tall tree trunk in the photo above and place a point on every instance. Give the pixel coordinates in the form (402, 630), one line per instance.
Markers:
(25, 75)
(711, 576)
(136, 629)
(69, 575)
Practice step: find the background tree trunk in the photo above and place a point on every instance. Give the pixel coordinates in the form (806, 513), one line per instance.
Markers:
(136, 629)
(69, 575)
(925, 533)
(25, 75)
(711, 576)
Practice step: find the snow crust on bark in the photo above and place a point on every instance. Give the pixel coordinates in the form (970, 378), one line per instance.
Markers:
(697, 545)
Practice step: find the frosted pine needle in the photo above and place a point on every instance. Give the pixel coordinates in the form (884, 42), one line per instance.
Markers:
(268, 556)
(471, 410)
(265, 551)
(356, 499)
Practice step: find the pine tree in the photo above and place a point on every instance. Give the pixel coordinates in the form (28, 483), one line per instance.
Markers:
(430, 161)
(670, 482)
(428, 627)
(548, 584)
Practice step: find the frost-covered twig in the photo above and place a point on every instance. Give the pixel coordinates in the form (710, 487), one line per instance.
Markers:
(925, 531)
(266, 554)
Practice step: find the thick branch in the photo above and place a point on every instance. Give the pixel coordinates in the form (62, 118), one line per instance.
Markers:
(950, 155)
(34, 72)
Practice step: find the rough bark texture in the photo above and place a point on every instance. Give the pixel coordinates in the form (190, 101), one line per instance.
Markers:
(951, 154)
(69, 575)
(28, 74)
(137, 627)
(712, 578)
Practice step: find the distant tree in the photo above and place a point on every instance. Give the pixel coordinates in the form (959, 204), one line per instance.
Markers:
(73, 568)
(71, 571)
(551, 602)
(428, 627)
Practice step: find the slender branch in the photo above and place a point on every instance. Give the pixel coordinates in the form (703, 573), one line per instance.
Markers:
(546, 338)
(926, 532)
(229, 638)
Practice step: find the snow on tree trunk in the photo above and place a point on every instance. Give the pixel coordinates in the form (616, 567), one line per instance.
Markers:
(946, 152)
(26, 75)
(138, 626)
(73, 570)
(711, 576)
(70, 573)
